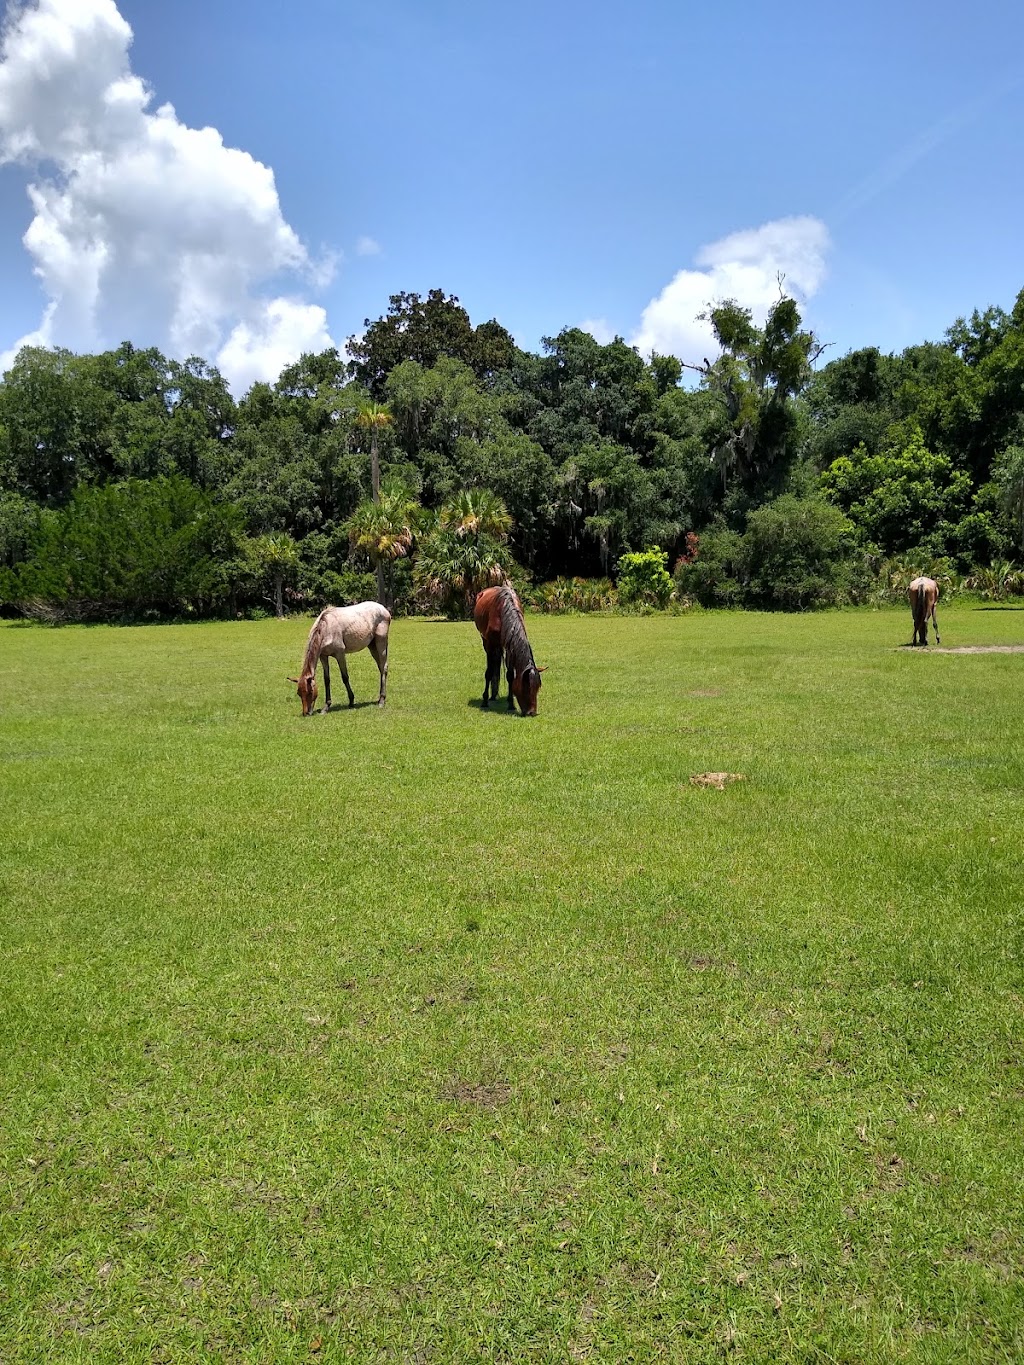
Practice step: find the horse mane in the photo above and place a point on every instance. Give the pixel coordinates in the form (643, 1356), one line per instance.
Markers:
(518, 654)
(312, 655)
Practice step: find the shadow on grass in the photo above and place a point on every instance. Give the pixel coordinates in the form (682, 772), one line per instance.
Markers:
(496, 708)
(340, 707)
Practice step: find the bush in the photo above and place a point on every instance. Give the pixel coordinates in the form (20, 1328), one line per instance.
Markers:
(711, 578)
(572, 595)
(143, 547)
(896, 574)
(900, 496)
(796, 553)
(19, 526)
(326, 577)
(644, 579)
(996, 582)
(800, 553)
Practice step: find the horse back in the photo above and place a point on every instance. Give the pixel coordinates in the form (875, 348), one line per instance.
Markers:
(487, 612)
(923, 593)
(348, 629)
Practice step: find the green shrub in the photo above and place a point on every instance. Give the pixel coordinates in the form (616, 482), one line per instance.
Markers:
(19, 525)
(800, 553)
(711, 577)
(996, 582)
(901, 495)
(895, 575)
(572, 595)
(644, 579)
(143, 547)
(326, 576)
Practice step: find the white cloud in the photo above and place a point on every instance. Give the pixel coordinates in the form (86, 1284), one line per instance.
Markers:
(261, 346)
(600, 329)
(144, 229)
(744, 266)
(367, 246)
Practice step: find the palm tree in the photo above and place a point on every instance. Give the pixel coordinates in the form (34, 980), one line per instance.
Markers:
(451, 569)
(476, 512)
(465, 552)
(374, 417)
(384, 529)
(276, 555)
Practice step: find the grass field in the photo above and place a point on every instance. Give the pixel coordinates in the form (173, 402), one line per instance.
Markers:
(431, 1034)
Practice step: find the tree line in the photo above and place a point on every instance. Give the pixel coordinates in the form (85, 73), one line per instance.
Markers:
(439, 456)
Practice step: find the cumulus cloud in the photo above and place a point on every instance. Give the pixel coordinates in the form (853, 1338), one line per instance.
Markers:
(367, 246)
(600, 329)
(144, 228)
(744, 266)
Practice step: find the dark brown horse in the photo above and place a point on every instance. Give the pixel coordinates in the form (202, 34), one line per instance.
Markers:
(499, 619)
(924, 593)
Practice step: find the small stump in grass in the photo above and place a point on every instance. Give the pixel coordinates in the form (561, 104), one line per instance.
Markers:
(717, 780)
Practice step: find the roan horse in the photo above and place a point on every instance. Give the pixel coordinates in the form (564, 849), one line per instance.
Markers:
(338, 632)
(499, 619)
(924, 593)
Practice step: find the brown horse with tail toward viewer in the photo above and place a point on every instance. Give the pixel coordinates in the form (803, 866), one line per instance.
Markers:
(924, 593)
(499, 619)
(338, 632)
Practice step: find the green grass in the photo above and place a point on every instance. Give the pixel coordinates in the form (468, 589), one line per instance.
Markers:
(433, 1034)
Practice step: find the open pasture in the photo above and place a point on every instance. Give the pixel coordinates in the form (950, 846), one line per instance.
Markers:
(430, 1034)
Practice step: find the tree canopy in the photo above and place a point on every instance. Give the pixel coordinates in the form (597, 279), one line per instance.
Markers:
(592, 451)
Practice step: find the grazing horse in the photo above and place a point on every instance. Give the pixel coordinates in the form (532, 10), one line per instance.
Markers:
(924, 593)
(499, 619)
(338, 632)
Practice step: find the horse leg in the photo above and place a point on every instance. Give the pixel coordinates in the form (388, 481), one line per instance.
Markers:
(489, 685)
(343, 665)
(509, 674)
(327, 684)
(379, 650)
(935, 623)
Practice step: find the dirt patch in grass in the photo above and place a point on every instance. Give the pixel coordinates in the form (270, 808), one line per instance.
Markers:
(705, 692)
(717, 780)
(700, 962)
(487, 1094)
(968, 649)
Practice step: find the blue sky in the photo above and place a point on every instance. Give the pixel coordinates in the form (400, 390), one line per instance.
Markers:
(551, 163)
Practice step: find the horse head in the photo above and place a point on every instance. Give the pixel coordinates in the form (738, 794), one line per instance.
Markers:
(306, 689)
(525, 687)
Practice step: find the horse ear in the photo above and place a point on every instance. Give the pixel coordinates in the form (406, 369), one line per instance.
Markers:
(294, 680)
(544, 669)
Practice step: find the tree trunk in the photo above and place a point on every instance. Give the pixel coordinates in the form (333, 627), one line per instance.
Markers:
(381, 594)
(375, 475)
(279, 595)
